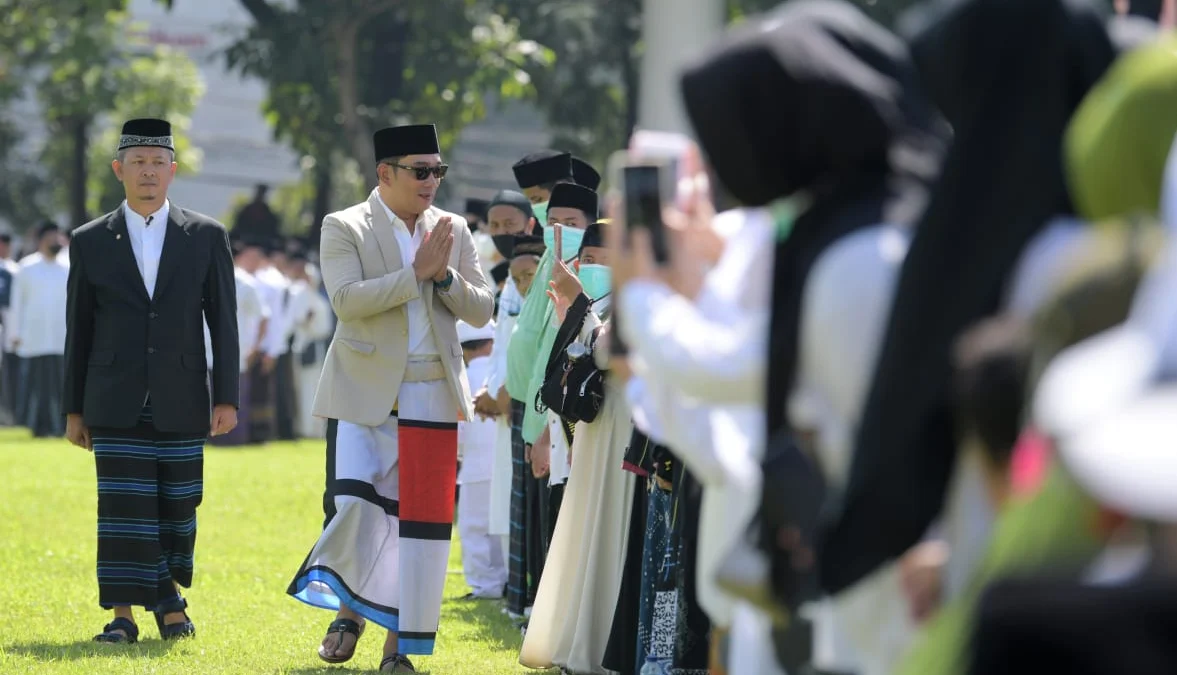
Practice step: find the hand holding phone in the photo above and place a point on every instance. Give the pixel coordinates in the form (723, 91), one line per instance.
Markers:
(644, 203)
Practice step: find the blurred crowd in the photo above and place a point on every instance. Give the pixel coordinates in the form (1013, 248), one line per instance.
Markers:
(885, 393)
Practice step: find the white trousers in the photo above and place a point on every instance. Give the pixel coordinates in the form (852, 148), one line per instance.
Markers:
(482, 553)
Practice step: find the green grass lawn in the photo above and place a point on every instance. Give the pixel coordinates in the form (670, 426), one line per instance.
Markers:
(261, 513)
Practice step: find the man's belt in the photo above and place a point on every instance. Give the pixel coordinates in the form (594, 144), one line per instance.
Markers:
(424, 369)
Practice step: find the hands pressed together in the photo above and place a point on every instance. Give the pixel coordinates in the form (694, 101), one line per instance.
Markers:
(432, 259)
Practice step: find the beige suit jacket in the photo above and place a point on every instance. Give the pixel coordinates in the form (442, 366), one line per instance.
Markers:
(369, 286)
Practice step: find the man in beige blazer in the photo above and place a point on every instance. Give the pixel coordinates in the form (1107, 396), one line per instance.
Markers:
(400, 273)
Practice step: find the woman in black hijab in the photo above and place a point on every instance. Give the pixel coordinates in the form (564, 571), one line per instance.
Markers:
(817, 102)
(1007, 74)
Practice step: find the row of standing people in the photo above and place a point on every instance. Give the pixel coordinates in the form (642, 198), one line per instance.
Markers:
(286, 323)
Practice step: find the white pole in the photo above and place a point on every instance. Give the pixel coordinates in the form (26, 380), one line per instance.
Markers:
(673, 32)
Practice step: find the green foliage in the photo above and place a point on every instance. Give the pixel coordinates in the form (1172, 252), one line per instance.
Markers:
(589, 96)
(164, 84)
(336, 71)
(76, 59)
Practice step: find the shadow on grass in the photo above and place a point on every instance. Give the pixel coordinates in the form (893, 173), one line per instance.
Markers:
(88, 649)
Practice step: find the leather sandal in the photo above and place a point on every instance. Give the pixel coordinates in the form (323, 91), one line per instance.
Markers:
(109, 636)
(174, 631)
(397, 663)
(343, 626)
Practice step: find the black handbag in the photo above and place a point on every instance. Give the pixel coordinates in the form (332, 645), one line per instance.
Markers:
(573, 387)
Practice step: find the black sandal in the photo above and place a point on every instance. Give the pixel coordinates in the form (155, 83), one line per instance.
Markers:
(109, 636)
(342, 626)
(393, 664)
(174, 631)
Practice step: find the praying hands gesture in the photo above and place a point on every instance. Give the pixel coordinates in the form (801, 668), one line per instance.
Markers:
(432, 260)
(565, 287)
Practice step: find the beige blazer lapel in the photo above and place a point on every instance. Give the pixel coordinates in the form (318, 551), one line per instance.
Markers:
(381, 226)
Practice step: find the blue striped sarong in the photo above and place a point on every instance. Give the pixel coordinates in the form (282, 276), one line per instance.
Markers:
(149, 485)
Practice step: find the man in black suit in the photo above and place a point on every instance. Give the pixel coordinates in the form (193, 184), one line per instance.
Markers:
(143, 280)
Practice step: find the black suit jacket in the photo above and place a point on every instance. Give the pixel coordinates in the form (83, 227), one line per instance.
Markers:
(121, 344)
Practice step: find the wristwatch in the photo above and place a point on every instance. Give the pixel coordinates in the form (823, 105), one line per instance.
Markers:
(444, 284)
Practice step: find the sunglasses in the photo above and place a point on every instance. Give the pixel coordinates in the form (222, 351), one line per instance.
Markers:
(423, 172)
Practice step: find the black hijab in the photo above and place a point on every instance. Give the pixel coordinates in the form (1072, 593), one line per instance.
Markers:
(818, 99)
(1008, 74)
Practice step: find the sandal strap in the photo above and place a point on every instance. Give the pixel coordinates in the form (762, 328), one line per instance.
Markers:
(345, 626)
(124, 624)
(397, 659)
(178, 604)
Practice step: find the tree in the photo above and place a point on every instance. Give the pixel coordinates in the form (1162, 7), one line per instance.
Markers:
(338, 70)
(590, 96)
(164, 84)
(75, 58)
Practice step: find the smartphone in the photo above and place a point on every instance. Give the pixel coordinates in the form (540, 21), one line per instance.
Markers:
(642, 185)
(558, 240)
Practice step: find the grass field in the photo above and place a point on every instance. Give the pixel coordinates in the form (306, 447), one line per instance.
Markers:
(261, 513)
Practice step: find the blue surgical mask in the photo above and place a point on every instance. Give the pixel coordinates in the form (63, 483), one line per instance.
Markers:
(597, 280)
(571, 241)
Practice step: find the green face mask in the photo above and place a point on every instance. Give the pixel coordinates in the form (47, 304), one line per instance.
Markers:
(540, 211)
(597, 280)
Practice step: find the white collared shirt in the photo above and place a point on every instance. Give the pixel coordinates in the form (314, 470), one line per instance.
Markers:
(37, 315)
(476, 437)
(251, 311)
(147, 242)
(421, 340)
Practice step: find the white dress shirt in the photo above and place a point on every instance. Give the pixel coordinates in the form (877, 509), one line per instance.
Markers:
(147, 236)
(251, 311)
(310, 316)
(37, 313)
(272, 285)
(510, 303)
(476, 437)
(703, 366)
(421, 340)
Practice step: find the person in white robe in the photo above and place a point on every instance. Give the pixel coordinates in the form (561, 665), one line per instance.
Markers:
(699, 366)
(37, 335)
(845, 305)
(509, 215)
(483, 554)
(573, 611)
(252, 315)
(310, 321)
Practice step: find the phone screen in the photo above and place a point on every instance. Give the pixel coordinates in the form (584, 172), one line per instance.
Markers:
(643, 206)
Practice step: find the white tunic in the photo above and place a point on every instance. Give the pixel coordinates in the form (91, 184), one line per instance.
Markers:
(476, 438)
(37, 314)
(251, 311)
